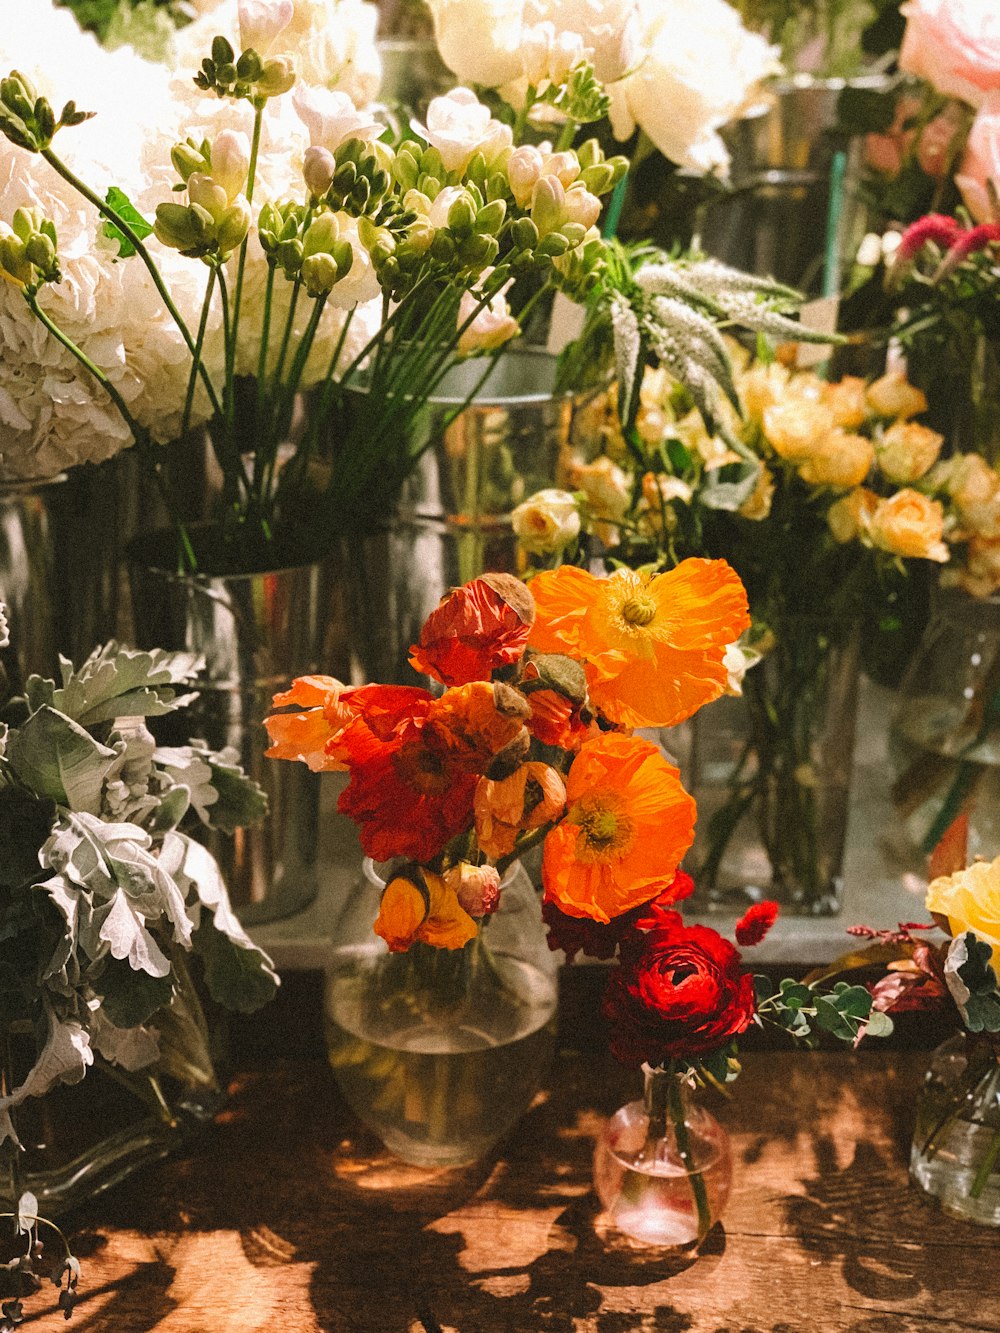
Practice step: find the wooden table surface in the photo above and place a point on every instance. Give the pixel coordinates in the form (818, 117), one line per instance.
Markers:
(286, 1217)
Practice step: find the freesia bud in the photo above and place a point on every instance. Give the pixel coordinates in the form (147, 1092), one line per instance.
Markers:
(233, 225)
(564, 165)
(262, 22)
(462, 216)
(490, 219)
(581, 206)
(174, 227)
(277, 77)
(230, 162)
(319, 273)
(318, 167)
(524, 166)
(13, 260)
(186, 158)
(322, 235)
(203, 191)
(343, 254)
(547, 201)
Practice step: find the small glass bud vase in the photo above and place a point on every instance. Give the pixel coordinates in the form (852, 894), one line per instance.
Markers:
(955, 1158)
(663, 1166)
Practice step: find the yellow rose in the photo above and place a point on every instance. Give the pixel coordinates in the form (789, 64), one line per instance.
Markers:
(608, 493)
(842, 460)
(797, 428)
(975, 489)
(909, 524)
(847, 401)
(762, 387)
(970, 900)
(758, 505)
(894, 396)
(908, 450)
(848, 517)
(658, 494)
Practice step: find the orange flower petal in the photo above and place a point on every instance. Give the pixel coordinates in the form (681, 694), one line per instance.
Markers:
(402, 912)
(447, 925)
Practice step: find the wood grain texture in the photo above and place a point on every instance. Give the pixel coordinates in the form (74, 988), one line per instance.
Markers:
(287, 1218)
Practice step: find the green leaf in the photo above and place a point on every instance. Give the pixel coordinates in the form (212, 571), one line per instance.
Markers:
(54, 757)
(830, 1019)
(739, 484)
(131, 998)
(237, 978)
(119, 201)
(855, 1001)
(879, 1024)
(121, 682)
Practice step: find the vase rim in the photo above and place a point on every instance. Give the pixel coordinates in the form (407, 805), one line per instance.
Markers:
(135, 556)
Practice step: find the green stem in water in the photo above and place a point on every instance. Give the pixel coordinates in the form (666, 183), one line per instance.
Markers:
(986, 1166)
(675, 1108)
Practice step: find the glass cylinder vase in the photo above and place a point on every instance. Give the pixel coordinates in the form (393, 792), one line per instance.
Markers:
(955, 1159)
(663, 1166)
(771, 773)
(945, 733)
(441, 1051)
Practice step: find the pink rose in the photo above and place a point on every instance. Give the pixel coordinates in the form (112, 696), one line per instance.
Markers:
(955, 45)
(981, 162)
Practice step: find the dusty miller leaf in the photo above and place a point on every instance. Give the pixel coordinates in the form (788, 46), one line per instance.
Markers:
(54, 757)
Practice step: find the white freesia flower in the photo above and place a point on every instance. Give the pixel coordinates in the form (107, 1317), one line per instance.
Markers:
(262, 22)
(231, 162)
(332, 118)
(492, 326)
(480, 40)
(459, 126)
(701, 69)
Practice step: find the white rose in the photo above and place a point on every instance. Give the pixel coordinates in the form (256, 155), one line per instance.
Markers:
(546, 523)
(701, 70)
(262, 22)
(459, 126)
(332, 118)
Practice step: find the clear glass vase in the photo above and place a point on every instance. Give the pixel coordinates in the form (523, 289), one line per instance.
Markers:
(663, 1166)
(771, 774)
(441, 1051)
(81, 1139)
(955, 1158)
(945, 733)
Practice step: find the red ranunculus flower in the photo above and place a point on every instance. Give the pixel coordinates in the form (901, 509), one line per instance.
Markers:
(476, 629)
(679, 993)
(599, 939)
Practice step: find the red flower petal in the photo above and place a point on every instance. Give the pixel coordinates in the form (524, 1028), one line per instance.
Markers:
(476, 629)
(755, 923)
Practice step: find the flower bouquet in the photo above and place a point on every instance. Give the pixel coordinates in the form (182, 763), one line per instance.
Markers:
(298, 244)
(955, 1158)
(677, 1002)
(438, 1034)
(105, 899)
(816, 496)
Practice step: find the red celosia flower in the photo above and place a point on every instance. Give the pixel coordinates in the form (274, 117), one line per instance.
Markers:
(755, 922)
(679, 993)
(968, 242)
(476, 629)
(937, 227)
(598, 939)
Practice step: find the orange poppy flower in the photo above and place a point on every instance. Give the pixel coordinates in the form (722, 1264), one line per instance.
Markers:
(477, 628)
(304, 735)
(532, 796)
(628, 824)
(420, 905)
(471, 724)
(652, 645)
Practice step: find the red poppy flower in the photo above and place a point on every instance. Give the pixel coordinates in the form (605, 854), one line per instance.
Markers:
(755, 922)
(680, 993)
(476, 629)
(599, 939)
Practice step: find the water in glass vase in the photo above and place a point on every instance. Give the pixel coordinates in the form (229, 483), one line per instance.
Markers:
(439, 1054)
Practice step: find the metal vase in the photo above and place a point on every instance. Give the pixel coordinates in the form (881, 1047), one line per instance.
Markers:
(453, 519)
(793, 211)
(256, 633)
(61, 545)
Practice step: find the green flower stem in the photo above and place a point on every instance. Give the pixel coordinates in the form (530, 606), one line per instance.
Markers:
(139, 433)
(986, 1166)
(286, 401)
(567, 136)
(279, 369)
(675, 1107)
(199, 344)
(251, 175)
(112, 216)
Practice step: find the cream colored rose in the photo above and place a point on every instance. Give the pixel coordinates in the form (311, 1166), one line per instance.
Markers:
(907, 450)
(797, 429)
(491, 327)
(894, 396)
(909, 524)
(842, 460)
(757, 506)
(608, 494)
(546, 523)
(980, 574)
(971, 901)
(848, 402)
(848, 517)
(479, 40)
(659, 493)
